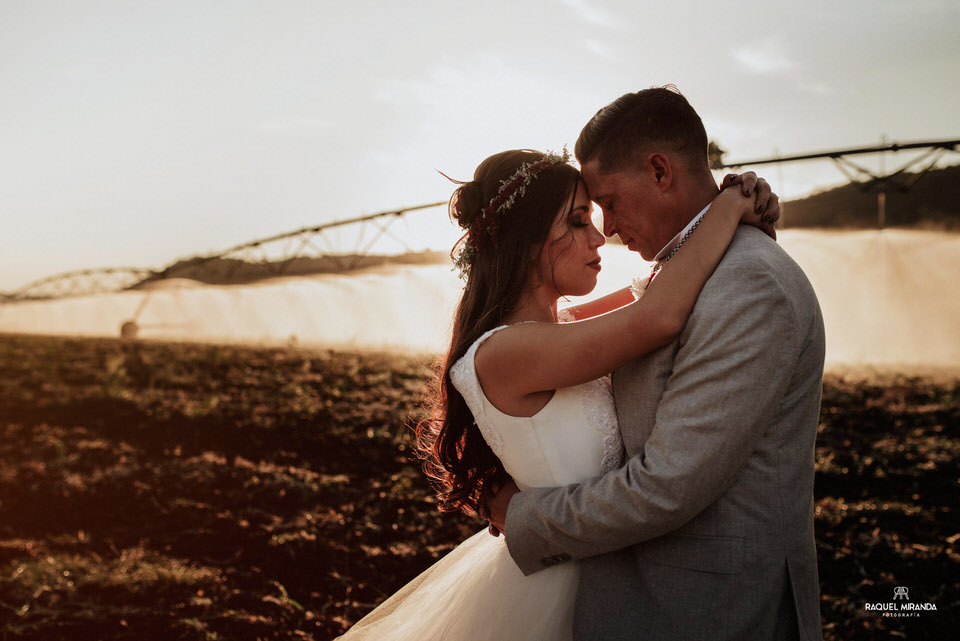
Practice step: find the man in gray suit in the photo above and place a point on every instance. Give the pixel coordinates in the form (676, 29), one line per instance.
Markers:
(706, 532)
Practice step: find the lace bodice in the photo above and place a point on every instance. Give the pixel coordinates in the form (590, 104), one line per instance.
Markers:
(574, 437)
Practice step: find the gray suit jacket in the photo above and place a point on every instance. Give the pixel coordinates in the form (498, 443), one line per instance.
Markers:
(706, 532)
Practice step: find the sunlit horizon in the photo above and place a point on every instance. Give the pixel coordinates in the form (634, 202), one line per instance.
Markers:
(876, 313)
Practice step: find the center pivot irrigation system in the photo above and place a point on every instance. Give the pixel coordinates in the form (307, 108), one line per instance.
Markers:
(281, 254)
(268, 257)
(866, 179)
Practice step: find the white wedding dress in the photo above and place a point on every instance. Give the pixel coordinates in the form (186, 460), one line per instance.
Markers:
(476, 592)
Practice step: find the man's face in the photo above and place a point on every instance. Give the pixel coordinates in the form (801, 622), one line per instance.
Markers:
(634, 207)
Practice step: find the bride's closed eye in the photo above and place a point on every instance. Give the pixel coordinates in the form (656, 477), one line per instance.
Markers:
(581, 216)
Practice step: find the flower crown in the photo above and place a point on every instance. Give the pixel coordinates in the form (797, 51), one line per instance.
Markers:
(487, 223)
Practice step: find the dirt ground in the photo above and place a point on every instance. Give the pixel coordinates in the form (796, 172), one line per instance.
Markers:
(183, 491)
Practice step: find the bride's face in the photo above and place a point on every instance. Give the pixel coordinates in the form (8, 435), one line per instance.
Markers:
(570, 255)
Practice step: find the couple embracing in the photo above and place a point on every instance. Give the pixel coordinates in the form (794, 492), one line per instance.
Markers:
(671, 500)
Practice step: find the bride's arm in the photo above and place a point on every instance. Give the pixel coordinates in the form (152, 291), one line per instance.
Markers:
(601, 305)
(750, 184)
(534, 357)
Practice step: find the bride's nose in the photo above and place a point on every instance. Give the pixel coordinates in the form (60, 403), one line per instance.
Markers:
(596, 238)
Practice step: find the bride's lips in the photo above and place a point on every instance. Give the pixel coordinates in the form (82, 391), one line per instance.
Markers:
(594, 264)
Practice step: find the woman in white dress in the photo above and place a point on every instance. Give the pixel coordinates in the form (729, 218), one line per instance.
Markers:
(525, 397)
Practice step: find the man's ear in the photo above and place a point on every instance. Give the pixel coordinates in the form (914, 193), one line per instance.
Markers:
(662, 171)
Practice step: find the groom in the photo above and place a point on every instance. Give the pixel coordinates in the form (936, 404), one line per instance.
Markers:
(706, 532)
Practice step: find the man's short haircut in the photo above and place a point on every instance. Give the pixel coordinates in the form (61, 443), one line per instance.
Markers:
(637, 124)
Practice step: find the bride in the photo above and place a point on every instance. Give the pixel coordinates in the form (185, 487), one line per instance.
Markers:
(526, 398)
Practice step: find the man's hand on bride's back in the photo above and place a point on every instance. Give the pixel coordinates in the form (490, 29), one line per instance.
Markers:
(764, 210)
(497, 502)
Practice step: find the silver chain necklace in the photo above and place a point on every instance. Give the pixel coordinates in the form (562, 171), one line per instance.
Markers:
(683, 239)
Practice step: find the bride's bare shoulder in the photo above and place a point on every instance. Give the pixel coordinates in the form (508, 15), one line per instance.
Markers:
(494, 351)
(500, 372)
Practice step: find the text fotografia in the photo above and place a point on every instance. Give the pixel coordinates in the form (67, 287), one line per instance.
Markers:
(901, 606)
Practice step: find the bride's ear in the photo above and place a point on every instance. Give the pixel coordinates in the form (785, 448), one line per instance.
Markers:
(536, 252)
(533, 265)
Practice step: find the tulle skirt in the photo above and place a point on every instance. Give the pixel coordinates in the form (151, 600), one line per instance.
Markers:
(476, 593)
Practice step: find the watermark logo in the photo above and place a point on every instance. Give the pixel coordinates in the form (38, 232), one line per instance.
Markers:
(901, 606)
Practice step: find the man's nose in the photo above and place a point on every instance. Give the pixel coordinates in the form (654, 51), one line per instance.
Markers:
(609, 229)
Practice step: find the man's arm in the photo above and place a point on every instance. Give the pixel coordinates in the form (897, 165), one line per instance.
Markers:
(730, 373)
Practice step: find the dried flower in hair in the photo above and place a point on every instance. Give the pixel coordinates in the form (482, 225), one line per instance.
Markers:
(511, 189)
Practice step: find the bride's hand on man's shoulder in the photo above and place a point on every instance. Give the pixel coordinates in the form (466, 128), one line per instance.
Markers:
(764, 205)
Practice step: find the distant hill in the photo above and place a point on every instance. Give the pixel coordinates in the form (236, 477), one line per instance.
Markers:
(232, 271)
(932, 203)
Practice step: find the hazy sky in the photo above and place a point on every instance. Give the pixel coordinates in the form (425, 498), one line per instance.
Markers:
(133, 133)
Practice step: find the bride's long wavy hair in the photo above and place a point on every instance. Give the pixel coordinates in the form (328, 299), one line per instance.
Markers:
(455, 455)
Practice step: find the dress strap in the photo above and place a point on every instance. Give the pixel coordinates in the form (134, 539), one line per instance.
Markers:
(463, 375)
